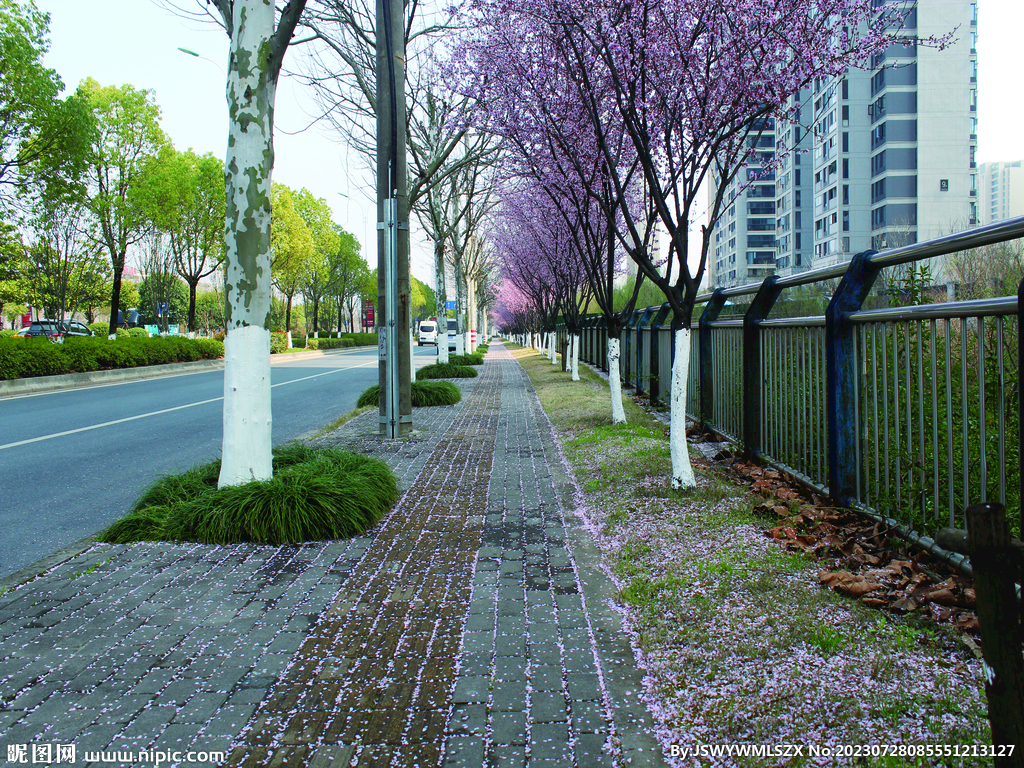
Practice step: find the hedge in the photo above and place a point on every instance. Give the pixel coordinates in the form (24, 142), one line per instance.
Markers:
(26, 358)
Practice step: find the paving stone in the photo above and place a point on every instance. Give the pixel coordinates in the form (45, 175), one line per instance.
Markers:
(464, 752)
(472, 689)
(508, 728)
(469, 720)
(549, 741)
(548, 707)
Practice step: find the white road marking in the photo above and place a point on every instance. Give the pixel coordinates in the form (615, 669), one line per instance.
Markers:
(168, 410)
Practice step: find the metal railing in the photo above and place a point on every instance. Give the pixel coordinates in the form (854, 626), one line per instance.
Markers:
(909, 414)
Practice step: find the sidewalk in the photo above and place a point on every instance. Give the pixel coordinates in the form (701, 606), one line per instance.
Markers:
(470, 627)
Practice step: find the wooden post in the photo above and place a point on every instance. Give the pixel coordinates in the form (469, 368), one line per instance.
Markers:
(995, 571)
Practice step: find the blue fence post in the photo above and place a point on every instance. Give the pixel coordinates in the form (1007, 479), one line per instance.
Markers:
(753, 378)
(841, 376)
(642, 327)
(1020, 404)
(656, 384)
(707, 383)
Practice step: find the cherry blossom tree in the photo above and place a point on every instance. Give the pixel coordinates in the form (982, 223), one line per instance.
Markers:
(686, 83)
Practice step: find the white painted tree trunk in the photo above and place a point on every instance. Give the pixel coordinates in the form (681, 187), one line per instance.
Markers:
(554, 348)
(618, 412)
(288, 340)
(575, 357)
(682, 471)
(246, 448)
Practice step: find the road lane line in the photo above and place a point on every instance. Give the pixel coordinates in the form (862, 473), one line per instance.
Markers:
(168, 410)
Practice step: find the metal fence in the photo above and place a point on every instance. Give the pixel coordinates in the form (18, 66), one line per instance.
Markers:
(908, 413)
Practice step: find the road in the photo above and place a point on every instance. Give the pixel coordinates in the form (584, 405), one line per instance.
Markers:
(72, 462)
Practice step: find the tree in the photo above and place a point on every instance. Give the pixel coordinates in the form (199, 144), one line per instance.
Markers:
(291, 245)
(349, 272)
(317, 276)
(40, 134)
(161, 285)
(13, 267)
(685, 84)
(257, 50)
(183, 196)
(424, 302)
(63, 261)
(210, 311)
(127, 134)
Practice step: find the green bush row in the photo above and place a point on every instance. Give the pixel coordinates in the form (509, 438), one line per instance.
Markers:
(312, 343)
(445, 371)
(25, 358)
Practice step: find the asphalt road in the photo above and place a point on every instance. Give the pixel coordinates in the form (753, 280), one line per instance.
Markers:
(72, 462)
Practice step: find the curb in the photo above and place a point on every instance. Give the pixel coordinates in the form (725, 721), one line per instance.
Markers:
(41, 566)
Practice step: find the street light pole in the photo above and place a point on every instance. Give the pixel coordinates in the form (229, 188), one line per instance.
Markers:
(393, 289)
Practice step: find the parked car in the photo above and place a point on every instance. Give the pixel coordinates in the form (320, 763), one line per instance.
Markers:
(53, 328)
(453, 328)
(428, 334)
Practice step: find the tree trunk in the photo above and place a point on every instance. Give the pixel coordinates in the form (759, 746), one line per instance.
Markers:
(192, 284)
(471, 333)
(682, 472)
(115, 296)
(575, 356)
(554, 347)
(251, 89)
(288, 314)
(442, 303)
(618, 412)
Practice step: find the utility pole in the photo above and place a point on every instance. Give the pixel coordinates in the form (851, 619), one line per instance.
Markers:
(393, 284)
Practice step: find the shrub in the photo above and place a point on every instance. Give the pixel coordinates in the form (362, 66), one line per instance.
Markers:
(219, 336)
(122, 333)
(100, 329)
(323, 343)
(445, 371)
(361, 339)
(278, 343)
(466, 359)
(7, 332)
(424, 394)
(138, 333)
(314, 495)
(22, 358)
(481, 349)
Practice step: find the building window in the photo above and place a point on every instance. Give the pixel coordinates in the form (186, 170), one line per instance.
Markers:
(846, 222)
(846, 194)
(846, 89)
(846, 168)
(846, 141)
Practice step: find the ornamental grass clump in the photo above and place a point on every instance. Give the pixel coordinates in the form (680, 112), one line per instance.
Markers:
(466, 359)
(424, 394)
(445, 371)
(315, 495)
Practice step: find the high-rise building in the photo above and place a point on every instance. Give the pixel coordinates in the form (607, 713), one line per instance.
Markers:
(889, 157)
(743, 247)
(1000, 191)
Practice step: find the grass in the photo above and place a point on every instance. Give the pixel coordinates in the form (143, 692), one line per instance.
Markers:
(475, 359)
(424, 394)
(314, 495)
(340, 421)
(445, 371)
(710, 598)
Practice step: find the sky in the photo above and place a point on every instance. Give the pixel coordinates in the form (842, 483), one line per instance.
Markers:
(136, 41)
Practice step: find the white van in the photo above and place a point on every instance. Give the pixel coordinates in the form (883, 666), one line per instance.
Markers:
(428, 334)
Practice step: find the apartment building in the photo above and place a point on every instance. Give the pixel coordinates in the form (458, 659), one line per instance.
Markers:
(1000, 191)
(877, 158)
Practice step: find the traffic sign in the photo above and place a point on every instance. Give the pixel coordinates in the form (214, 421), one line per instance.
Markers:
(451, 305)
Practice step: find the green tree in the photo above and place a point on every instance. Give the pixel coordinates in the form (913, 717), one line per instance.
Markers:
(210, 311)
(127, 134)
(318, 274)
(349, 273)
(163, 287)
(63, 260)
(424, 302)
(13, 267)
(182, 195)
(291, 245)
(41, 136)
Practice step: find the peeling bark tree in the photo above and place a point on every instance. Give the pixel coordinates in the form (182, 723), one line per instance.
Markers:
(256, 53)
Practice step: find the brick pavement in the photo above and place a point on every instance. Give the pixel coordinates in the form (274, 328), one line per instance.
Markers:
(471, 627)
